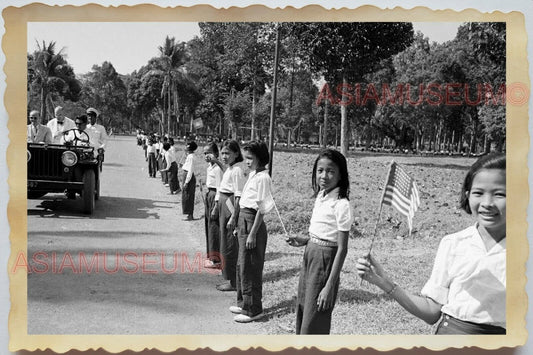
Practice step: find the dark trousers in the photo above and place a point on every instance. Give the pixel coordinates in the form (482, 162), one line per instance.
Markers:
(172, 174)
(316, 268)
(250, 265)
(212, 228)
(187, 194)
(229, 246)
(164, 175)
(453, 326)
(152, 164)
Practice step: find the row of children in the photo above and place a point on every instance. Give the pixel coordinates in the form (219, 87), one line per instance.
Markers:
(466, 289)
(162, 156)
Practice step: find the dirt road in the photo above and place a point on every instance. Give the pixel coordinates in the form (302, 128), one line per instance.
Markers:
(133, 267)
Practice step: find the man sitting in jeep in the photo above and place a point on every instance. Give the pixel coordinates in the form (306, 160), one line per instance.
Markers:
(78, 136)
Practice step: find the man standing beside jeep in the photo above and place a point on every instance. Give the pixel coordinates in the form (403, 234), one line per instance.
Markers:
(97, 133)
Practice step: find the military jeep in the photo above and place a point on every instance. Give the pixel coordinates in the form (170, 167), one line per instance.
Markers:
(71, 168)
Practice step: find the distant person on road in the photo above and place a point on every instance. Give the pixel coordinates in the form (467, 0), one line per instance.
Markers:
(212, 228)
(326, 246)
(255, 202)
(59, 124)
(466, 289)
(189, 182)
(36, 132)
(227, 203)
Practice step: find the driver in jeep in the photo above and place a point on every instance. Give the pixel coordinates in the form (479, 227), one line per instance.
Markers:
(78, 136)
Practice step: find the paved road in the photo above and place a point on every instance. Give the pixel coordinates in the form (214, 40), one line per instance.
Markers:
(134, 216)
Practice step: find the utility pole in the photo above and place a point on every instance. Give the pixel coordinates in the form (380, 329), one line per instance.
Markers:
(273, 107)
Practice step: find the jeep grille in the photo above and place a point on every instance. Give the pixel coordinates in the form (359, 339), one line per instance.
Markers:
(45, 164)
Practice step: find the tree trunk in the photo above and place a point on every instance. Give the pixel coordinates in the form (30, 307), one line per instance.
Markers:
(252, 130)
(43, 103)
(325, 126)
(169, 102)
(345, 123)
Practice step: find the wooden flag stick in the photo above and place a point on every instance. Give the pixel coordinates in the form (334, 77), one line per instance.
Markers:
(380, 209)
(279, 216)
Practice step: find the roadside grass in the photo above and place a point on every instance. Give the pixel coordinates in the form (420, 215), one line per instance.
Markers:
(362, 309)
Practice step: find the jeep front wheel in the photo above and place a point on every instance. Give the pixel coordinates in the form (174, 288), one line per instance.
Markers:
(88, 191)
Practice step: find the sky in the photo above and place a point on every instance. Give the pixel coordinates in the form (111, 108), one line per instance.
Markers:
(129, 45)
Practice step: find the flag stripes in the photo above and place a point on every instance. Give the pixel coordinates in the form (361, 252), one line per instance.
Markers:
(401, 193)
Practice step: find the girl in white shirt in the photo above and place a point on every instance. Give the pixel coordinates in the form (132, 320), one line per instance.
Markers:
(326, 245)
(189, 182)
(466, 290)
(212, 227)
(227, 203)
(256, 200)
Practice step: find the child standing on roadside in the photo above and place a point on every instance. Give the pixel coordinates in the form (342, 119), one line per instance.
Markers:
(171, 169)
(227, 204)
(256, 200)
(212, 227)
(466, 290)
(326, 246)
(189, 182)
(152, 162)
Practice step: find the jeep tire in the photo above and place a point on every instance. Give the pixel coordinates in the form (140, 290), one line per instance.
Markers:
(89, 181)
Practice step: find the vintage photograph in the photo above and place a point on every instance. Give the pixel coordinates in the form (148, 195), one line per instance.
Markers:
(267, 178)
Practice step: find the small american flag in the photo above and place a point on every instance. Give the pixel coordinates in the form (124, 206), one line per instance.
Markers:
(401, 193)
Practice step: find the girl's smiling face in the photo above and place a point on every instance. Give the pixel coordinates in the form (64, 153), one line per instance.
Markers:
(227, 156)
(327, 175)
(487, 201)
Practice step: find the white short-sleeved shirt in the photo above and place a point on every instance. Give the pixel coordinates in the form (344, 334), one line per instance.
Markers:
(170, 156)
(330, 215)
(188, 166)
(150, 148)
(232, 181)
(98, 134)
(257, 192)
(213, 176)
(468, 280)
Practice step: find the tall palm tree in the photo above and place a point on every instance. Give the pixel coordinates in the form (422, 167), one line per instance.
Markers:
(173, 56)
(48, 68)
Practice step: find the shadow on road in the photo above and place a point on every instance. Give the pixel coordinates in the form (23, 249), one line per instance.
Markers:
(106, 208)
(280, 274)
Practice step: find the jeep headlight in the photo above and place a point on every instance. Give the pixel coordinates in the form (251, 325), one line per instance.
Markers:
(69, 158)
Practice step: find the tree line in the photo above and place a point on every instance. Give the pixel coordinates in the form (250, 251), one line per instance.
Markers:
(347, 84)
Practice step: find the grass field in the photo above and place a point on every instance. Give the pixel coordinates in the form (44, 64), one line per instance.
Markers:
(363, 309)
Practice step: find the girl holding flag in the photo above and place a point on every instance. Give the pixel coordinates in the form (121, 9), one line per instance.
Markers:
(466, 290)
(326, 246)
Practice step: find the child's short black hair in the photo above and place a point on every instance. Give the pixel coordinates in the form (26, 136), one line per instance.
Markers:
(489, 161)
(166, 146)
(260, 150)
(171, 141)
(213, 147)
(234, 146)
(191, 146)
(336, 157)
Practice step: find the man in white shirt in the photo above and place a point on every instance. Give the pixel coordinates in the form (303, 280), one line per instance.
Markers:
(59, 124)
(97, 131)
